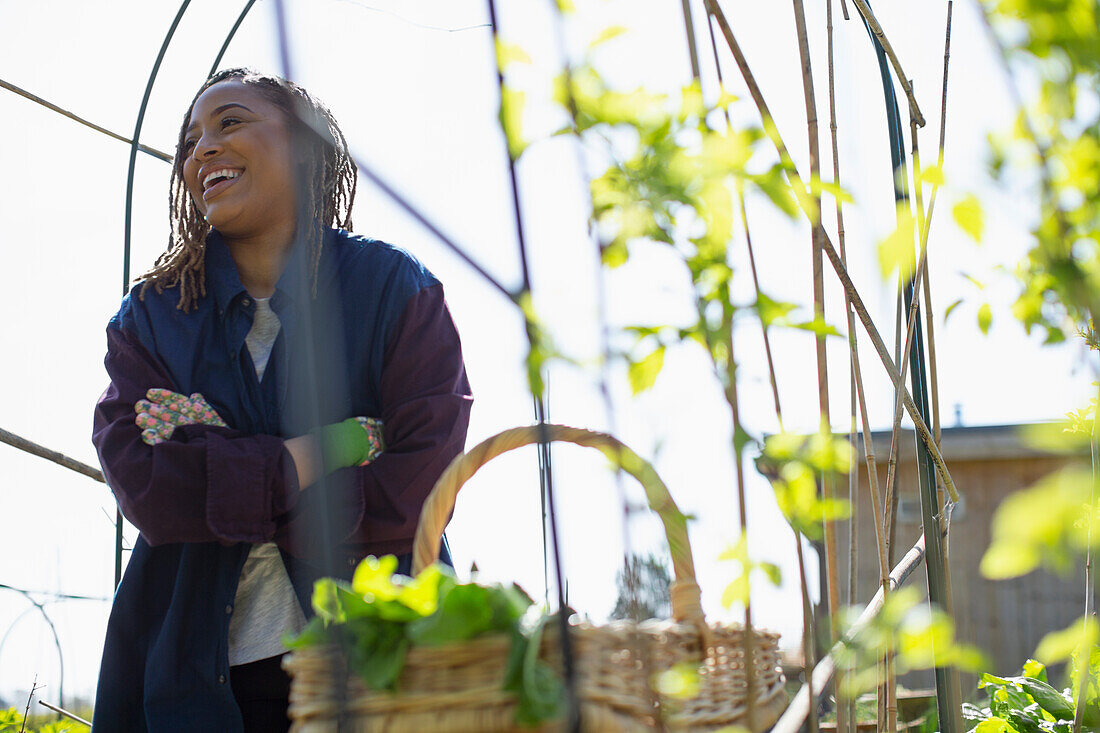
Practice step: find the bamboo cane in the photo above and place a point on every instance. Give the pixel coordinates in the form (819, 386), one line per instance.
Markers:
(876, 28)
(791, 171)
(792, 718)
(829, 487)
(27, 446)
(742, 506)
(932, 370)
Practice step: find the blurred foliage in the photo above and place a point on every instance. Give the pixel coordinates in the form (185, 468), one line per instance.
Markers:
(919, 636)
(739, 590)
(1052, 45)
(796, 465)
(11, 721)
(1045, 525)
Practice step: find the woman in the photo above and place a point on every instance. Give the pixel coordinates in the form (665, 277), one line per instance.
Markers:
(235, 432)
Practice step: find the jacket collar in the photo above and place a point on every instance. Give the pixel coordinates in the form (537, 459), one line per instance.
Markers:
(294, 284)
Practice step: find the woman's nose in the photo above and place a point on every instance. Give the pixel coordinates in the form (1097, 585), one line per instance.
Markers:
(207, 146)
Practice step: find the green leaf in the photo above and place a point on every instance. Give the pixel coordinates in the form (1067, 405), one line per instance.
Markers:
(1035, 670)
(951, 308)
(985, 318)
(510, 53)
(1058, 646)
(969, 216)
(818, 327)
(643, 373)
(378, 652)
(539, 689)
(737, 591)
(422, 593)
(681, 681)
(995, 725)
(774, 573)
(772, 311)
(896, 252)
(615, 254)
(464, 612)
(374, 577)
(314, 634)
(326, 601)
(1048, 698)
(606, 35)
(932, 175)
(511, 120)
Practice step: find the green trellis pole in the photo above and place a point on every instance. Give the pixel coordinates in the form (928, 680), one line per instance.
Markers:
(948, 697)
(127, 227)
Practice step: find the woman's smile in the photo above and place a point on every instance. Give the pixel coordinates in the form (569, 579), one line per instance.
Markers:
(217, 181)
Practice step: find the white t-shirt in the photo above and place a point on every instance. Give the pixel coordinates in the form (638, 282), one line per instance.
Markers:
(266, 606)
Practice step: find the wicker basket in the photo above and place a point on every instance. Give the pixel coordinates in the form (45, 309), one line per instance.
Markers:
(457, 688)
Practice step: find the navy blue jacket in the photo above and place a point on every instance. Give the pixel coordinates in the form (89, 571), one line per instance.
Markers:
(375, 339)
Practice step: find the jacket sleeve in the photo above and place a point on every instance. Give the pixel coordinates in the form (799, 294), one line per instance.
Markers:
(426, 401)
(204, 484)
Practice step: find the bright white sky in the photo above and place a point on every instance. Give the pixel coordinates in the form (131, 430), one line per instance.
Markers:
(419, 105)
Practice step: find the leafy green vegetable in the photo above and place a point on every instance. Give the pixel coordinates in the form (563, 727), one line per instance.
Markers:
(380, 616)
(1023, 704)
(538, 688)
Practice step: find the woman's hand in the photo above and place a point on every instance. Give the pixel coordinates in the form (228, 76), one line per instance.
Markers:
(164, 410)
(354, 442)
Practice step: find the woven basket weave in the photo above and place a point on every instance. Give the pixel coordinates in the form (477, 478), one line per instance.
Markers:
(458, 688)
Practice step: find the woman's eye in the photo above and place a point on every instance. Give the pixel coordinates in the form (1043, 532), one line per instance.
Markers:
(226, 122)
(187, 145)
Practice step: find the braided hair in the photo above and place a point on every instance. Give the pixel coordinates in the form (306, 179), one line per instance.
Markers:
(329, 173)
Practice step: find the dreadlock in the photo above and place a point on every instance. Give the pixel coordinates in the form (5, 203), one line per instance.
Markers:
(330, 175)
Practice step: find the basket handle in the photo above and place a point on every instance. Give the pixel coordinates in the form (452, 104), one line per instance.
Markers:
(685, 595)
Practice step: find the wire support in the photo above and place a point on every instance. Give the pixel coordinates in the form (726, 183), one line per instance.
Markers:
(53, 595)
(77, 118)
(542, 416)
(128, 223)
(229, 38)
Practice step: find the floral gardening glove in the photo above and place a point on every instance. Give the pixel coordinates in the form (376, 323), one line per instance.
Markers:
(164, 410)
(354, 442)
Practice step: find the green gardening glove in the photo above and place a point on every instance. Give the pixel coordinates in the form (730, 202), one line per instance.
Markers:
(354, 442)
(164, 410)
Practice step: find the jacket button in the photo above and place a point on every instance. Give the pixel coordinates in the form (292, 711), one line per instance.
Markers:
(228, 609)
(221, 679)
(246, 302)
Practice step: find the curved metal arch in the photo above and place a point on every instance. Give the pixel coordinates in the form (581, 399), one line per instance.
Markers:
(947, 693)
(41, 607)
(229, 38)
(127, 226)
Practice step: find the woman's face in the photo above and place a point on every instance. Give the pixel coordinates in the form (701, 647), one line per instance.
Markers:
(237, 161)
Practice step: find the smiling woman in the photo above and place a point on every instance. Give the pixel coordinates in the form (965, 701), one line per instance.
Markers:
(235, 432)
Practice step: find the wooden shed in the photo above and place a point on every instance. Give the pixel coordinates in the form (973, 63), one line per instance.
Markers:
(1005, 618)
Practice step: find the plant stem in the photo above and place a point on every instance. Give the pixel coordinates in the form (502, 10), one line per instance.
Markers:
(937, 432)
(1083, 659)
(730, 389)
(689, 28)
(853, 374)
(828, 483)
(763, 326)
